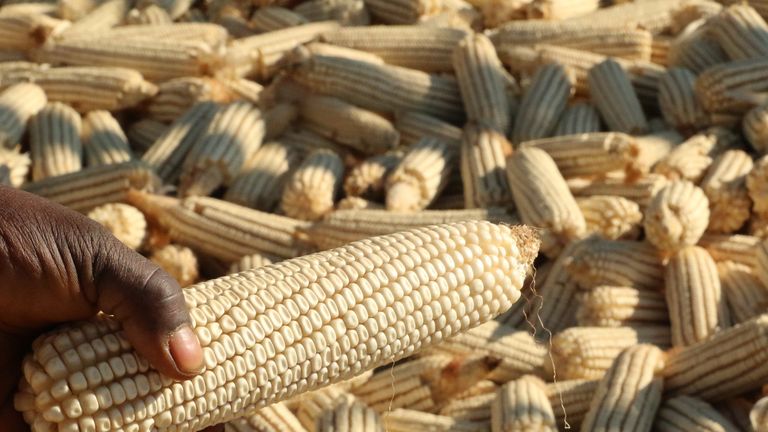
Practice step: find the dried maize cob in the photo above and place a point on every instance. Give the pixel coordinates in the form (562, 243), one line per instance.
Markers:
(735, 247)
(54, 141)
(73, 10)
(308, 141)
(383, 88)
(458, 376)
(230, 139)
(560, 9)
(660, 49)
(345, 12)
(483, 167)
(654, 15)
(691, 159)
(755, 128)
(24, 8)
(414, 126)
(26, 31)
(611, 217)
(421, 175)
(607, 306)
(176, 96)
(104, 141)
(744, 292)
(726, 190)
(406, 420)
(125, 222)
(651, 149)
(357, 203)
(151, 14)
(18, 103)
(543, 103)
(731, 87)
(401, 11)
(543, 199)
(640, 191)
(252, 261)
(630, 392)
(328, 50)
(613, 95)
(311, 191)
(278, 119)
(578, 118)
(481, 387)
(678, 101)
(349, 125)
(209, 34)
(683, 413)
(273, 418)
(677, 216)
(729, 363)
(481, 82)
(310, 406)
(616, 262)
(273, 18)
(144, 133)
(588, 352)
(741, 31)
(458, 14)
(692, 11)
(15, 166)
(695, 49)
(366, 179)
(349, 414)
(476, 409)
(179, 261)
(221, 350)
(106, 15)
(575, 397)
(522, 404)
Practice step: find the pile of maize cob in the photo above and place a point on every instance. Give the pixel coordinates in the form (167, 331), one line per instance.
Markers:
(339, 186)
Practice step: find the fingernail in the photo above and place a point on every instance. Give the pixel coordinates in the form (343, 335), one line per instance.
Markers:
(186, 351)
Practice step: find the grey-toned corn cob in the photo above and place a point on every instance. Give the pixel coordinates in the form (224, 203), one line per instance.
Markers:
(106, 15)
(481, 82)
(421, 175)
(543, 199)
(726, 190)
(176, 96)
(691, 159)
(678, 100)
(630, 392)
(252, 261)
(613, 95)
(741, 31)
(73, 10)
(755, 128)
(406, 420)
(14, 166)
(151, 14)
(273, 418)
(543, 103)
(758, 416)
(345, 12)
(744, 292)
(611, 217)
(416, 47)
(573, 395)
(271, 18)
(695, 49)
(473, 409)
(413, 126)
(104, 141)
(54, 141)
(729, 363)
(179, 261)
(18, 103)
(522, 404)
(231, 138)
(731, 87)
(608, 306)
(483, 167)
(734, 247)
(697, 307)
(367, 179)
(349, 414)
(247, 339)
(343, 226)
(401, 11)
(125, 222)
(588, 352)
(91, 187)
(578, 118)
(311, 191)
(757, 185)
(144, 133)
(677, 216)
(684, 413)
(641, 191)
(616, 262)
(383, 88)
(26, 31)
(349, 125)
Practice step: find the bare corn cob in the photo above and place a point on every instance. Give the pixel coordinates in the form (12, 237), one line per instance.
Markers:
(578, 118)
(15, 166)
(151, 14)
(367, 179)
(678, 101)
(273, 418)
(677, 216)
(522, 404)
(401, 11)
(144, 133)
(106, 15)
(125, 222)
(271, 18)
(311, 191)
(476, 409)
(616, 262)
(176, 96)
(695, 49)
(543, 103)
(179, 261)
(26, 31)
(345, 12)
(741, 31)
(731, 87)
(588, 352)
(641, 191)
(630, 392)
(684, 413)
(349, 125)
(607, 306)
(691, 159)
(18, 103)
(573, 395)
(91, 187)
(755, 128)
(543, 199)
(413, 126)
(613, 95)
(406, 420)
(743, 290)
(611, 217)
(54, 137)
(421, 175)
(483, 167)
(726, 190)
(250, 262)
(349, 414)
(104, 141)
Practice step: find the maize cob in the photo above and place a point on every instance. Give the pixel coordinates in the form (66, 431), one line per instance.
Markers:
(729, 363)
(677, 216)
(151, 14)
(543, 198)
(18, 103)
(741, 31)
(221, 350)
(737, 411)
(654, 15)
(735, 247)
(278, 119)
(401, 11)
(578, 118)
(641, 191)
(252, 261)
(755, 128)
(312, 189)
(26, 31)
(616, 262)
(176, 96)
(482, 387)
(476, 409)
(407, 420)
(588, 352)
(695, 49)
(106, 15)
(345, 12)
(683, 413)
(560, 9)
(412, 387)
(483, 167)
(691, 159)
(167, 154)
(678, 101)
(481, 82)
(414, 126)
(328, 50)
(144, 133)
(383, 88)
(421, 175)
(23, 8)
(607, 306)
(273, 18)
(357, 203)
(125, 222)
(459, 377)
(726, 190)
(757, 185)
(366, 179)
(543, 103)
(689, 12)
(308, 141)
(311, 406)
(611, 217)
(758, 416)
(15, 165)
(73, 10)
(54, 141)
(273, 418)
(522, 405)
(417, 47)
(349, 125)
(349, 414)
(744, 292)
(104, 140)
(575, 397)
(660, 49)
(731, 87)
(262, 54)
(630, 392)
(208, 34)
(179, 261)
(230, 139)
(613, 95)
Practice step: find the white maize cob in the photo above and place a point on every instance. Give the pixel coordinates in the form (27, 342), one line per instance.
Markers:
(731, 87)
(176, 96)
(252, 261)
(144, 133)
(616, 262)
(734, 247)
(578, 118)
(104, 141)
(271, 18)
(349, 414)
(54, 141)
(654, 15)
(458, 14)
(741, 31)
(407, 420)
(482, 387)
(476, 409)
(309, 407)
(15, 165)
(691, 159)
(421, 175)
(311, 191)
(18, 103)
(757, 185)
(641, 191)
(357, 203)
(414, 126)
(273, 418)
(608, 306)
(401, 11)
(522, 404)
(759, 415)
(726, 190)
(459, 377)
(612, 93)
(367, 178)
(684, 413)
(677, 216)
(73, 10)
(743, 290)
(755, 128)
(209, 34)
(179, 261)
(26, 31)
(575, 397)
(483, 167)
(151, 14)
(651, 149)
(125, 222)
(689, 12)
(308, 141)
(328, 50)
(106, 15)
(695, 49)
(543, 103)
(345, 12)
(611, 217)
(678, 100)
